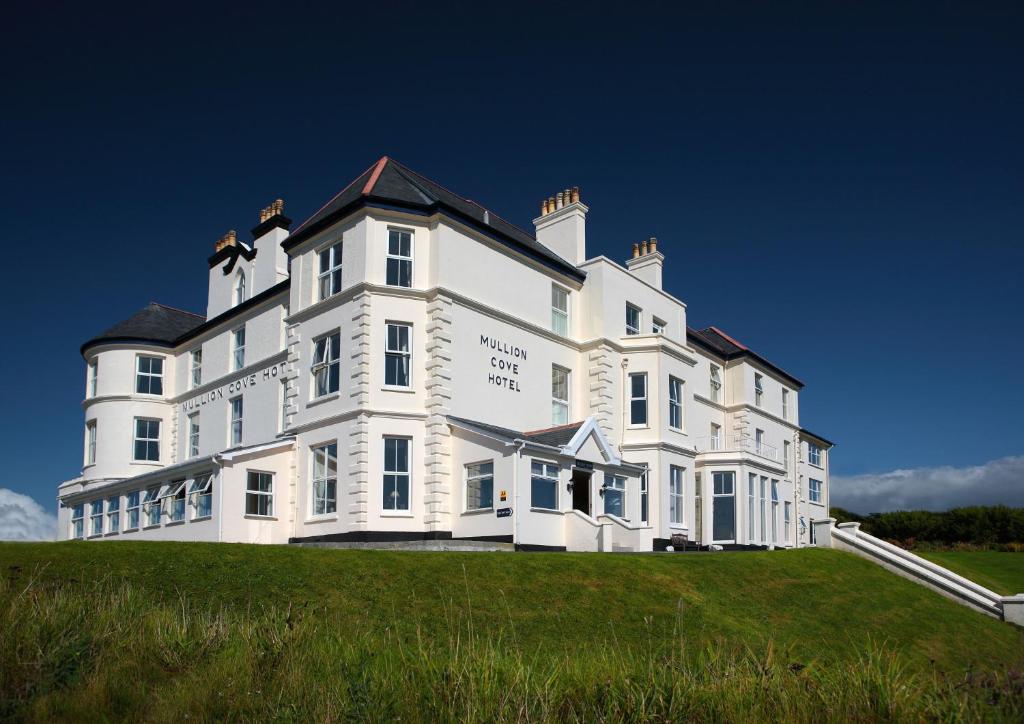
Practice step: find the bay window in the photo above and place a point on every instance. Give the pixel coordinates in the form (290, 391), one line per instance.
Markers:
(325, 479)
(398, 356)
(396, 474)
(326, 364)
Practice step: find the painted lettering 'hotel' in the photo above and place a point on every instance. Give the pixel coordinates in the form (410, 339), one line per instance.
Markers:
(407, 366)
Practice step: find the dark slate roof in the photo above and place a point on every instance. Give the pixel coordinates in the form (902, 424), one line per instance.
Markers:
(390, 183)
(816, 436)
(721, 344)
(153, 324)
(553, 436)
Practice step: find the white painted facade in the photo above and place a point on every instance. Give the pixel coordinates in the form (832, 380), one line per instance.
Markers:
(433, 398)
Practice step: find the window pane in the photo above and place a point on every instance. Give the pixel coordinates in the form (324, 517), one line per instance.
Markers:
(638, 385)
(638, 412)
(543, 493)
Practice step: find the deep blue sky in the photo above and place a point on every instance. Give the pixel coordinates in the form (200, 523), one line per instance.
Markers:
(839, 187)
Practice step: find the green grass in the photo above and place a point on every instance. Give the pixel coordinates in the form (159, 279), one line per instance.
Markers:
(998, 571)
(168, 630)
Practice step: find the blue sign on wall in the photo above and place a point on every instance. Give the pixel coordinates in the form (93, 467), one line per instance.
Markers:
(503, 512)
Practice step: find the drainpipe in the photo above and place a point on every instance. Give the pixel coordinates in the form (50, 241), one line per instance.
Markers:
(625, 411)
(217, 461)
(519, 443)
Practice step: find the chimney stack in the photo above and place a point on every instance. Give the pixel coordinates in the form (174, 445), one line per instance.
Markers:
(229, 239)
(561, 225)
(647, 262)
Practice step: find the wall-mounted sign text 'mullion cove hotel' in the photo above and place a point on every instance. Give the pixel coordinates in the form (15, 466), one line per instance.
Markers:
(407, 366)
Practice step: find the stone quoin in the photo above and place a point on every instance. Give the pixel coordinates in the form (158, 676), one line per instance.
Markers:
(354, 381)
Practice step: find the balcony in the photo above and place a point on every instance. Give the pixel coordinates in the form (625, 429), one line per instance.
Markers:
(738, 443)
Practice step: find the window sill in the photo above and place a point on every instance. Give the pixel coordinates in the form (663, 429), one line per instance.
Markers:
(174, 522)
(678, 526)
(322, 519)
(397, 388)
(148, 463)
(479, 511)
(248, 516)
(131, 530)
(643, 426)
(95, 535)
(151, 527)
(113, 532)
(201, 518)
(547, 511)
(398, 514)
(321, 400)
(678, 431)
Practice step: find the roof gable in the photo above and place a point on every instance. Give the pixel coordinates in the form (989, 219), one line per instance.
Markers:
(389, 183)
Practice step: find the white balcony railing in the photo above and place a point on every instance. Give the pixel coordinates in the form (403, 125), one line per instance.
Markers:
(735, 443)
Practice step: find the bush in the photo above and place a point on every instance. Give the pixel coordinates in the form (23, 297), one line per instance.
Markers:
(990, 527)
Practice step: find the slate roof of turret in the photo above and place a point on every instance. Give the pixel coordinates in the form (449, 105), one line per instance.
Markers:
(155, 324)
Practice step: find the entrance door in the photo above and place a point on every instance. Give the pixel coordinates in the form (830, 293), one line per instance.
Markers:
(581, 490)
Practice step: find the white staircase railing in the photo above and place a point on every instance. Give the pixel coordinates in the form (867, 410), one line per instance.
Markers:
(849, 537)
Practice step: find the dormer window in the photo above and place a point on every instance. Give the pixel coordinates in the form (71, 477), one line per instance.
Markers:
(240, 287)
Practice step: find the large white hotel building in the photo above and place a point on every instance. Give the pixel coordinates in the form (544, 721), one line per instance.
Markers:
(407, 366)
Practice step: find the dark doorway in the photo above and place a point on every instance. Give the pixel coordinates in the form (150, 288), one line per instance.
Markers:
(581, 490)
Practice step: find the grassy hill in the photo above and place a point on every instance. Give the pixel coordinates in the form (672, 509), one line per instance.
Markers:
(164, 631)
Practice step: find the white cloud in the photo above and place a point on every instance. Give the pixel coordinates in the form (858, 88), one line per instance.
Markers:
(997, 482)
(22, 518)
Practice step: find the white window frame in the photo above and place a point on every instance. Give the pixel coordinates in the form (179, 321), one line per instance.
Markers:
(814, 492)
(326, 357)
(90, 442)
(114, 514)
(201, 487)
(677, 495)
(136, 439)
(729, 475)
(238, 348)
(398, 258)
(559, 405)
(617, 485)
(643, 398)
(236, 419)
(787, 522)
(323, 503)
(547, 475)
(676, 392)
(814, 454)
(193, 435)
(239, 288)
(78, 522)
(258, 494)
(397, 474)
(478, 476)
(715, 383)
(92, 375)
(176, 498)
(196, 367)
(633, 329)
(785, 404)
(758, 389)
(751, 505)
(758, 440)
(95, 518)
(396, 353)
(329, 279)
(152, 378)
(657, 326)
(559, 316)
(763, 503)
(775, 511)
(716, 437)
(645, 497)
(785, 455)
(131, 511)
(151, 506)
(283, 422)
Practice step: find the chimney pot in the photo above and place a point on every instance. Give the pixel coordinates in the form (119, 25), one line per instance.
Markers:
(654, 244)
(558, 200)
(643, 248)
(636, 250)
(544, 207)
(575, 194)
